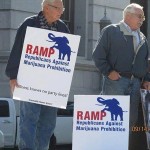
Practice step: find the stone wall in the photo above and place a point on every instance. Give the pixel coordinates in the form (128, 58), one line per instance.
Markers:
(86, 78)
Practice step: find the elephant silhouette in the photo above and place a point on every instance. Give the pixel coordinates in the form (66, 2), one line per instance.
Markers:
(111, 105)
(61, 43)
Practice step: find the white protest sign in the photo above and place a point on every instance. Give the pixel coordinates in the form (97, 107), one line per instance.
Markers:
(101, 122)
(46, 67)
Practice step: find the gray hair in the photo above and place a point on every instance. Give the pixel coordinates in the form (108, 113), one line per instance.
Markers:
(44, 2)
(131, 9)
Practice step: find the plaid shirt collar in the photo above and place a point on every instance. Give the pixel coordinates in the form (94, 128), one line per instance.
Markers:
(44, 24)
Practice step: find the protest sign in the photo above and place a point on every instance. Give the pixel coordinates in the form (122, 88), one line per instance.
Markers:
(101, 122)
(46, 67)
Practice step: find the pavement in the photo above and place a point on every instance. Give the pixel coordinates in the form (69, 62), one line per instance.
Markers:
(64, 147)
(61, 147)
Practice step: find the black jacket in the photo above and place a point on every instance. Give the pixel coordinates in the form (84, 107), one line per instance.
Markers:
(15, 56)
(115, 51)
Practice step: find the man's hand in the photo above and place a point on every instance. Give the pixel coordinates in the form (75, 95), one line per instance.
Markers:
(114, 75)
(13, 83)
(146, 85)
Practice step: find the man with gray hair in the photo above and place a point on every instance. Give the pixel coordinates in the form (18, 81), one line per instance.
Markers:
(37, 122)
(121, 56)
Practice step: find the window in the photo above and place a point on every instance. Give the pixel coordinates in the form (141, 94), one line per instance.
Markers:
(4, 109)
(68, 15)
(143, 3)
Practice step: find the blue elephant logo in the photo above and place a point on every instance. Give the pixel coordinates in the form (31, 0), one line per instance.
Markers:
(111, 105)
(61, 44)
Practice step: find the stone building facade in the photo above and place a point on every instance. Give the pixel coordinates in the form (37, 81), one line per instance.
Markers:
(82, 16)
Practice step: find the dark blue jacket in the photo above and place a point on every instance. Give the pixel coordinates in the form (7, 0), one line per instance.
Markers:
(115, 51)
(15, 56)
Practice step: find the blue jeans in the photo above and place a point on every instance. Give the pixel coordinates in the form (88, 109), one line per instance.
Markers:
(125, 86)
(37, 123)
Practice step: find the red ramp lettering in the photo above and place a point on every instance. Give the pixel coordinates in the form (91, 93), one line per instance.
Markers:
(90, 115)
(39, 51)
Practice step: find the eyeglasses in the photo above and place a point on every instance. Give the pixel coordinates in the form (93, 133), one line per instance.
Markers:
(57, 8)
(142, 17)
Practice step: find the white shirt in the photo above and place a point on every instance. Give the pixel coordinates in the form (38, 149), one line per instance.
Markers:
(135, 35)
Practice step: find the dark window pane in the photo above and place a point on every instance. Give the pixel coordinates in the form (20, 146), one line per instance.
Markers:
(4, 109)
(68, 15)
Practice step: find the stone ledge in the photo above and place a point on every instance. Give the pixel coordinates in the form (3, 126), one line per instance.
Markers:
(85, 65)
(4, 55)
(81, 63)
(20, 5)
